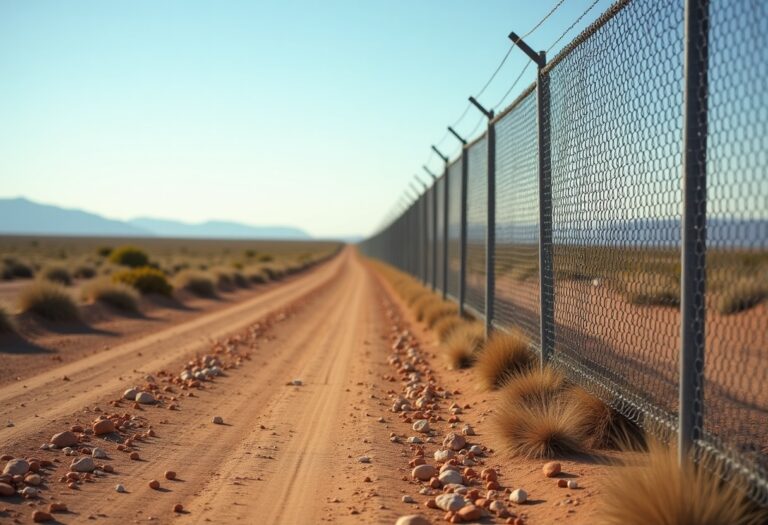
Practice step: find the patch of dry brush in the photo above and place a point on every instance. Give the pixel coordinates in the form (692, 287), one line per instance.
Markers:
(463, 345)
(117, 295)
(50, 301)
(504, 355)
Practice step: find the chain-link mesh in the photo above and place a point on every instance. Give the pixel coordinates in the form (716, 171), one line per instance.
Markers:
(440, 237)
(477, 222)
(613, 156)
(516, 263)
(735, 371)
(454, 228)
(615, 124)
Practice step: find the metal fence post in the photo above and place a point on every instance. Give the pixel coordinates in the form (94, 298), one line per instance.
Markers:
(694, 222)
(444, 255)
(490, 223)
(546, 270)
(463, 232)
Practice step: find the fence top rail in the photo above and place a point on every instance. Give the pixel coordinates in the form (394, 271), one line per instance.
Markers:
(588, 32)
(479, 138)
(507, 110)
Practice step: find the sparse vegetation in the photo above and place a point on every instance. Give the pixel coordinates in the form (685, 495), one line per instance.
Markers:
(445, 326)
(57, 274)
(540, 428)
(15, 269)
(505, 354)
(198, 283)
(654, 487)
(115, 294)
(437, 310)
(536, 385)
(146, 280)
(129, 256)
(84, 272)
(50, 301)
(104, 251)
(256, 275)
(743, 294)
(464, 344)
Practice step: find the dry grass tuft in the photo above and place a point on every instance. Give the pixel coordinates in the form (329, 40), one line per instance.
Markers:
(57, 274)
(540, 428)
(117, 295)
(421, 305)
(437, 310)
(655, 488)
(504, 355)
(197, 283)
(605, 426)
(463, 344)
(446, 326)
(50, 301)
(534, 386)
(6, 324)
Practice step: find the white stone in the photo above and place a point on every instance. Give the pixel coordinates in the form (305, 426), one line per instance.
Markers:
(84, 464)
(443, 455)
(518, 496)
(98, 453)
(16, 467)
(130, 394)
(450, 502)
(145, 398)
(119, 488)
(450, 476)
(573, 484)
(421, 425)
(408, 499)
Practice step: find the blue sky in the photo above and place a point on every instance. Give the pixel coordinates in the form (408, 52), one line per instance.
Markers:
(313, 114)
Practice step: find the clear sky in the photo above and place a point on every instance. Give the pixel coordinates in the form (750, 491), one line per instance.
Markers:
(305, 113)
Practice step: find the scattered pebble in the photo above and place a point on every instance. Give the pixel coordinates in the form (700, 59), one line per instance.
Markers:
(450, 502)
(169, 474)
(364, 459)
(413, 519)
(145, 398)
(421, 425)
(16, 467)
(408, 499)
(551, 469)
(217, 420)
(103, 426)
(518, 496)
(423, 472)
(119, 488)
(573, 484)
(64, 439)
(154, 484)
(40, 516)
(98, 453)
(178, 508)
(130, 394)
(84, 464)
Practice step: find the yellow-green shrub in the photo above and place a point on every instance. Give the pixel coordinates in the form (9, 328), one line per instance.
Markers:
(129, 256)
(146, 280)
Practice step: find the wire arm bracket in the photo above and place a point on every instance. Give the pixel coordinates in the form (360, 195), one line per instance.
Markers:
(461, 139)
(487, 113)
(538, 58)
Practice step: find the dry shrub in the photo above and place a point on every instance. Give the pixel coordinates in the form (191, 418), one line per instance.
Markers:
(84, 271)
(652, 289)
(197, 283)
(655, 488)
(505, 354)
(50, 301)
(146, 280)
(742, 295)
(534, 386)
(606, 428)
(6, 324)
(445, 326)
(421, 305)
(14, 269)
(129, 256)
(437, 311)
(256, 275)
(117, 295)
(540, 428)
(57, 274)
(463, 345)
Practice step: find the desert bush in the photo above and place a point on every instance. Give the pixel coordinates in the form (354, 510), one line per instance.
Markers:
(445, 326)
(256, 275)
(129, 256)
(198, 283)
(115, 294)
(146, 280)
(104, 251)
(49, 300)
(274, 272)
(743, 294)
(84, 272)
(651, 289)
(6, 324)
(605, 427)
(265, 258)
(14, 269)
(536, 385)
(57, 274)
(239, 279)
(655, 487)
(504, 355)
(436, 311)
(539, 429)
(463, 345)
(422, 304)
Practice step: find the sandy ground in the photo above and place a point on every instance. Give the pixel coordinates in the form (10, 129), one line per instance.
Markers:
(285, 454)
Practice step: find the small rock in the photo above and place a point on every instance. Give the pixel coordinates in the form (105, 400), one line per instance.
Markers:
(217, 420)
(450, 502)
(573, 484)
(40, 516)
(29, 492)
(84, 464)
(297, 382)
(413, 519)
(421, 425)
(551, 469)
(130, 394)
(154, 484)
(467, 430)
(470, 513)
(16, 467)
(57, 507)
(454, 441)
(145, 398)
(33, 479)
(423, 472)
(119, 488)
(169, 474)
(562, 483)
(443, 455)
(98, 453)
(450, 476)
(407, 499)
(518, 496)
(64, 439)
(178, 508)
(6, 490)
(364, 459)
(103, 426)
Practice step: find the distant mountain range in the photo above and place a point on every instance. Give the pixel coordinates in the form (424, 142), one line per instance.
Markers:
(21, 216)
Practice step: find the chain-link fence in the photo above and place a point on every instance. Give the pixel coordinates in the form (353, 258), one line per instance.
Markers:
(629, 233)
